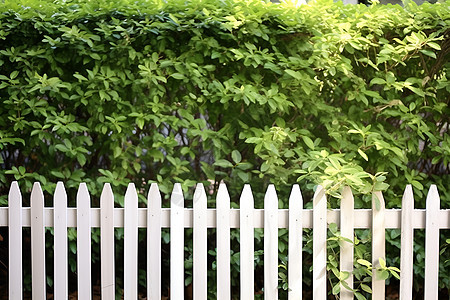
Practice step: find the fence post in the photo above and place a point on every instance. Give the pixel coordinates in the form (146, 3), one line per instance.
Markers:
(271, 244)
(223, 243)
(84, 242)
(130, 243)
(378, 244)
(38, 276)
(15, 242)
(177, 243)
(60, 243)
(107, 243)
(346, 249)
(200, 247)
(432, 245)
(407, 238)
(154, 243)
(295, 239)
(247, 243)
(319, 244)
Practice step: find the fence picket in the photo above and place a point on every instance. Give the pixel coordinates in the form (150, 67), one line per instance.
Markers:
(407, 238)
(154, 243)
(346, 249)
(107, 243)
(247, 243)
(177, 243)
(432, 245)
(295, 239)
(15, 242)
(223, 243)
(271, 244)
(319, 244)
(200, 248)
(378, 244)
(38, 276)
(60, 243)
(84, 242)
(130, 243)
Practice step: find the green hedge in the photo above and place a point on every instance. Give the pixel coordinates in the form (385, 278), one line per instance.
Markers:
(240, 91)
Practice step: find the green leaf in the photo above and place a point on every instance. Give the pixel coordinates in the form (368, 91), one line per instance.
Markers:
(366, 288)
(363, 155)
(236, 156)
(308, 142)
(178, 76)
(223, 163)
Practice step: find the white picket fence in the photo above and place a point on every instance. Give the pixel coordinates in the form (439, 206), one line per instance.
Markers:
(177, 218)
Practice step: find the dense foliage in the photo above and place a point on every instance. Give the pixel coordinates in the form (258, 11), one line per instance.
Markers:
(240, 91)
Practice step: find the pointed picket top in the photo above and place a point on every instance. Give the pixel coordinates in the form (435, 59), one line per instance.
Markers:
(247, 243)
(271, 243)
(84, 242)
(15, 241)
(347, 249)
(60, 242)
(107, 194)
(177, 243)
(38, 275)
(378, 243)
(154, 243)
(200, 195)
(407, 239)
(130, 243)
(154, 197)
(319, 244)
(431, 244)
(177, 197)
(295, 243)
(223, 243)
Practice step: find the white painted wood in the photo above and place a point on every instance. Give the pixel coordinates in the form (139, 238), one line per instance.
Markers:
(154, 243)
(271, 244)
(130, 243)
(223, 243)
(60, 243)
(200, 247)
(177, 243)
(84, 243)
(295, 249)
(107, 243)
(363, 218)
(378, 243)
(346, 249)
(247, 246)
(15, 266)
(407, 239)
(319, 244)
(38, 276)
(432, 245)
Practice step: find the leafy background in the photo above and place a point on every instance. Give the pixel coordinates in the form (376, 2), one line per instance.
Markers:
(244, 92)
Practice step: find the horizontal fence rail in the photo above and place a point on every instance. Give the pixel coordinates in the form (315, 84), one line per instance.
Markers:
(224, 218)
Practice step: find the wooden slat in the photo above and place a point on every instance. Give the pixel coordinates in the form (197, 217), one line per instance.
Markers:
(15, 242)
(130, 243)
(407, 239)
(60, 243)
(154, 243)
(363, 218)
(295, 278)
(432, 245)
(200, 248)
(107, 243)
(319, 244)
(84, 243)
(223, 243)
(378, 244)
(346, 249)
(271, 244)
(38, 276)
(247, 246)
(177, 243)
